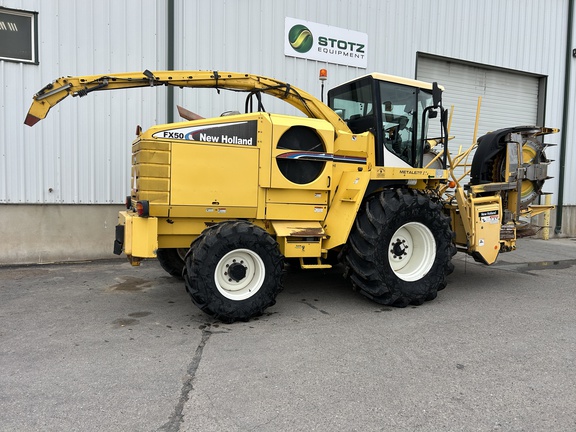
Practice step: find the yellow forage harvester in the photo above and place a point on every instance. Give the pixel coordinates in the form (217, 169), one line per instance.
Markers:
(222, 202)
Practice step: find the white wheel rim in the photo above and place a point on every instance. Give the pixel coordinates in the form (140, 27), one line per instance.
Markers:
(239, 274)
(412, 251)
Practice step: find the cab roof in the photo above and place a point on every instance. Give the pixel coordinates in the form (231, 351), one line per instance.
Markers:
(396, 79)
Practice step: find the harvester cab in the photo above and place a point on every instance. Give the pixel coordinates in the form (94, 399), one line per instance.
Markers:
(396, 111)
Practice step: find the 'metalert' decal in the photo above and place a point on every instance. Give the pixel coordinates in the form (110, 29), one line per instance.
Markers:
(239, 133)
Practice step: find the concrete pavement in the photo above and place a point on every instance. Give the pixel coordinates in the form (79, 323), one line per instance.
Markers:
(104, 346)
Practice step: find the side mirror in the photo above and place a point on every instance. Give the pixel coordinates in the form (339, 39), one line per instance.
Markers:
(436, 95)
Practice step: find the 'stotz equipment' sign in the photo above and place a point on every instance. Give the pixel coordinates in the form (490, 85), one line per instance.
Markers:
(313, 41)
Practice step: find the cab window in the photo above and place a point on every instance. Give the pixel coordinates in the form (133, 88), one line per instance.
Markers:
(402, 108)
(355, 105)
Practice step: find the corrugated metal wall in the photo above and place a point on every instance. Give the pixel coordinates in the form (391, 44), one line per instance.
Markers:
(81, 153)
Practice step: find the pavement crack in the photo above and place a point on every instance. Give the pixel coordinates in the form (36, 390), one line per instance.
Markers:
(315, 308)
(175, 420)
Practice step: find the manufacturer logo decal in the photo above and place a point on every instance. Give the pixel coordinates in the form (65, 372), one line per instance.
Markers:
(237, 133)
(490, 216)
(300, 38)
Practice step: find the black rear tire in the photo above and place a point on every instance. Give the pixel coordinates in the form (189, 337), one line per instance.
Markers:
(234, 271)
(172, 260)
(400, 248)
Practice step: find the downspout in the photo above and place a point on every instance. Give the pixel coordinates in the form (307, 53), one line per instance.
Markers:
(565, 113)
(170, 61)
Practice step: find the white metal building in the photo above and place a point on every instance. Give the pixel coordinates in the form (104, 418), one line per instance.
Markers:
(62, 182)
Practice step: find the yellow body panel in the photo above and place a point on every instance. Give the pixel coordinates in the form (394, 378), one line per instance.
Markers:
(300, 249)
(296, 196)
(154, 184)
(297, 212)
(197, 180)
(205, 212)
(457, 225)
(150, 178)
(344, 207)
(298, 229)
(146, 144)
(480, 218)
(151, 157)
(352, 145)
(298, 239)
(265, 147)
(487, 218)
(155, 197)
(175, 241)
(140, 235)
(154, 171)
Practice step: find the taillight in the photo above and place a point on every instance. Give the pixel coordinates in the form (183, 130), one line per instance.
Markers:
(143, 208)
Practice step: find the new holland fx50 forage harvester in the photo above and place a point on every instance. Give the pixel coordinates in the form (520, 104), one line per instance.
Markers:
(221, 202)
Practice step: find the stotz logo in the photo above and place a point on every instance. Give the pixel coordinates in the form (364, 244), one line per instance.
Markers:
(300, 38)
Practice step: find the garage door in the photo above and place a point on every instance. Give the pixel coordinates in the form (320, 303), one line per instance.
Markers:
(508, 98)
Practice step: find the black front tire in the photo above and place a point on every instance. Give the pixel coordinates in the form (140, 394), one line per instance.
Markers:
(400, 248)
(234, 271)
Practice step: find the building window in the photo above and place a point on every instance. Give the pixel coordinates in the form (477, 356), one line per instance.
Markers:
(18, 36)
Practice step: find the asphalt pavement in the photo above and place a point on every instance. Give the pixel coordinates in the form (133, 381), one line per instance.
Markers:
(103, 346)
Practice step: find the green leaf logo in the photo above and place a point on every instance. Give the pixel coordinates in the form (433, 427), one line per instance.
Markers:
(300, 38)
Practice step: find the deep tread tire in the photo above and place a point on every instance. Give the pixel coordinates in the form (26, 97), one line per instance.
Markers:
(250, 287)
(381, 227)
(172, 260)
